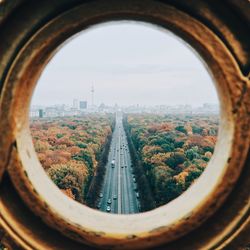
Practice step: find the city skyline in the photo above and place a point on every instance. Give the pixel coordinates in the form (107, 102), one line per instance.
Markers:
(88, 105)
(81, 107)
(161, 71)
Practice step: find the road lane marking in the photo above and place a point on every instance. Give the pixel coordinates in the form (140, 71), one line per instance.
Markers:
(119, 170)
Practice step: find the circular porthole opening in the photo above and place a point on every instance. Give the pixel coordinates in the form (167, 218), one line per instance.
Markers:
(121, 126)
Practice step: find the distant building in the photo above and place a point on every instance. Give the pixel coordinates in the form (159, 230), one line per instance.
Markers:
(83, 104)
(101, 107)
(75, 104)
(40, 113)
(51, 112)
(34, 112)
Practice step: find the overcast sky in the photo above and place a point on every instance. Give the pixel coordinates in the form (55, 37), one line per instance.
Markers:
(127, 63)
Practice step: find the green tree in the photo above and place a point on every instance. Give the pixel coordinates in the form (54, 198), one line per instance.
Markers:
(192, 153)
(197, 130)
(175, 160)
(181, 129)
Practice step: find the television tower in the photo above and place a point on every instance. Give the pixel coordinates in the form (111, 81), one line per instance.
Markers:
(92, 95)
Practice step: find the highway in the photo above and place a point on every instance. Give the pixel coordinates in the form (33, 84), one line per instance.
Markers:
(119, 192)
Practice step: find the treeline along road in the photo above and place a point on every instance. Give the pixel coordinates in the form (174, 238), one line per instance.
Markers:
(147, 200)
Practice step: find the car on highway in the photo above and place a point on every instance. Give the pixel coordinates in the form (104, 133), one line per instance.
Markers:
(109, 201)
(101, 195)
(108, 209)
(115, 197)
(98, 205)
(137, 195)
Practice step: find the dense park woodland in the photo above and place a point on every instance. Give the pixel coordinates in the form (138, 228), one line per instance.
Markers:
(173, 150)
(69, 149)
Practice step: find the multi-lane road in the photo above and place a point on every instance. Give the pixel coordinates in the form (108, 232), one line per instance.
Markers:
(119, 192)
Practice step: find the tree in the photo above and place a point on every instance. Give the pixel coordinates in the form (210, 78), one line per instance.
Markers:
(41, 146)
(183, 144)
(58, 136)
(85, 156)
(179, 144)
(167, 147)
(197, 130)
(68, 148)
(149, 151)
(69, 176)
(181, 129)
(192, 153)
(175, 159)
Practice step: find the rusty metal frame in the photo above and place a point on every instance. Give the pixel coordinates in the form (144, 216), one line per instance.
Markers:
(31, 32)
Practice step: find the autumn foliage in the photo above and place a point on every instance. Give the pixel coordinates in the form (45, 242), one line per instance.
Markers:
(174, 149)
(69, 149)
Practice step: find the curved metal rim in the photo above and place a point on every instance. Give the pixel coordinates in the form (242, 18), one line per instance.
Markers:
(163, 230)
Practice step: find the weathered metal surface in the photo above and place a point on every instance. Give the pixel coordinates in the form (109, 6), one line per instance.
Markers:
(220, 219)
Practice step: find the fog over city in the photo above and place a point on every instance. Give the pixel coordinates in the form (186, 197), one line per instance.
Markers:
(127, 63)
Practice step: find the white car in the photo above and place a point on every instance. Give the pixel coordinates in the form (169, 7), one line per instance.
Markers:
(108, 209)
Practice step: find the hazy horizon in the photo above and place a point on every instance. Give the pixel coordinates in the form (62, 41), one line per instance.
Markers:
(128, 63)
(121, 106)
